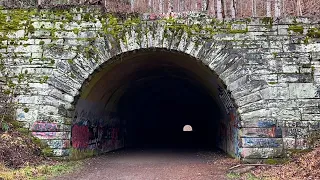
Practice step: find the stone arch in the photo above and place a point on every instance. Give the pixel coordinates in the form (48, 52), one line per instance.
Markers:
(217, 57)
(229, 130)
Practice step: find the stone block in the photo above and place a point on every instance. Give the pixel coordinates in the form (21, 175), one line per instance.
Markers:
(302, 90)
(275, 92)
(258, 123)
(40, 126)
(61, 152)
(253, 142)
(58, 144)
(261, 152)
(273, 132)
(52, 135)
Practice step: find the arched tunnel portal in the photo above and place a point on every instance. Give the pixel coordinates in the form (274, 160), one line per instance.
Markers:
(144, 98)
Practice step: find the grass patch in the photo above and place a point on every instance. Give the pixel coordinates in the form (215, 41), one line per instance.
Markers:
(38, 172)
(249, 176)
(232, 175)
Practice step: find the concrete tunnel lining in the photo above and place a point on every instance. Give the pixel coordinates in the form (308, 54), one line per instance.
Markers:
(106, 92)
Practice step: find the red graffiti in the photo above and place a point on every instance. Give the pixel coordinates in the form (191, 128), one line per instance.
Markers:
(272, 133)
(80, 136)
(115, 133)
(44, 126)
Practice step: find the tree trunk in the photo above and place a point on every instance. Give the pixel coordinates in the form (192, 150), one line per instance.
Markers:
(254, 8)
(132, 4)
(219, 9)
(233, 9)
(204, 6)
(299, 9)
(277, 8)
(161, 6)
(268, 8)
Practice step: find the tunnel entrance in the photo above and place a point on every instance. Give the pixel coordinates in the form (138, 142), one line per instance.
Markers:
(157, 109)
(145, 98)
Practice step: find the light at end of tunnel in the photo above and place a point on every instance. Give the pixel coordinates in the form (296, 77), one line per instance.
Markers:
(187, 128)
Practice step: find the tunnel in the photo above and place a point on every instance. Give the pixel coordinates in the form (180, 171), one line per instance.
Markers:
(153, 98)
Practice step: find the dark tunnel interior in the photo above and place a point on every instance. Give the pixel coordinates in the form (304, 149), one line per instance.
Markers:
(156, 109)
(149, 96)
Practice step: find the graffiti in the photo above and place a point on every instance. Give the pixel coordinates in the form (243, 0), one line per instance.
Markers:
(232, 132)
(51, 135)
(231, 126)
(274, 132)
(21, 116)
(80, 136)
(112, 133)
(95, 128)
(266, 123)
(260, 142)
(43, 126)
(56, 144)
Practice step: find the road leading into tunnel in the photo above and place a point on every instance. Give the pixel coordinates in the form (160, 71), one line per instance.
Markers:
(152, 164)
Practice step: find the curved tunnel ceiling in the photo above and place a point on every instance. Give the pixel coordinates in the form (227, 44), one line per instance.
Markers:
(136, 68)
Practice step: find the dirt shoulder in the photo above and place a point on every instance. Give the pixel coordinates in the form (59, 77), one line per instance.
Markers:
(143, 164)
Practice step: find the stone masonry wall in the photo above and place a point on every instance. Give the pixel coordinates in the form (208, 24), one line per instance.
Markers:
(270, 67)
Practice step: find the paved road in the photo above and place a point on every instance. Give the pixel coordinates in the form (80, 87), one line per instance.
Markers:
(139, 164)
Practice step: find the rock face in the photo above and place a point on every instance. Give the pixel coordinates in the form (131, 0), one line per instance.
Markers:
(268, 73)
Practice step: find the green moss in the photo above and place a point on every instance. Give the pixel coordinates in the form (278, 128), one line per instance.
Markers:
(76, 31)
(275, 54)
(37, 141)
(26, 110)
(68, 16)
(87, 17)
(70, 61)
(232, 175)
(23, 130)
(271, 161)
(44, 79)
(76, 154)
(268, 21)
(31, 28)
(47, 152)
(52, 61)
(41, 43)
(296, 28)
(313, 33)
(306, 40)
(16, 124)
(272, 83)
(248, 20)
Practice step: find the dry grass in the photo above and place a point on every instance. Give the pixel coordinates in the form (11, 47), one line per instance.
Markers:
(303, 166)
(37, 172)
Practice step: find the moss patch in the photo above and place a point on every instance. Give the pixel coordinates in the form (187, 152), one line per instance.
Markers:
(77, 154)
(296, 28)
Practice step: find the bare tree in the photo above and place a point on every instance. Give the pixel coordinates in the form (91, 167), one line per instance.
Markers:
(218, 8)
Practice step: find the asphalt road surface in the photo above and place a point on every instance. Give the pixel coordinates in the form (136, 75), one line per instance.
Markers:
(155, 164)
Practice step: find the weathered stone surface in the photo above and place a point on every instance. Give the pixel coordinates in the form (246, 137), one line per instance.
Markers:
(52, 135)
(261, 142)
(272, 78)
(274, 132)
(252, 153)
